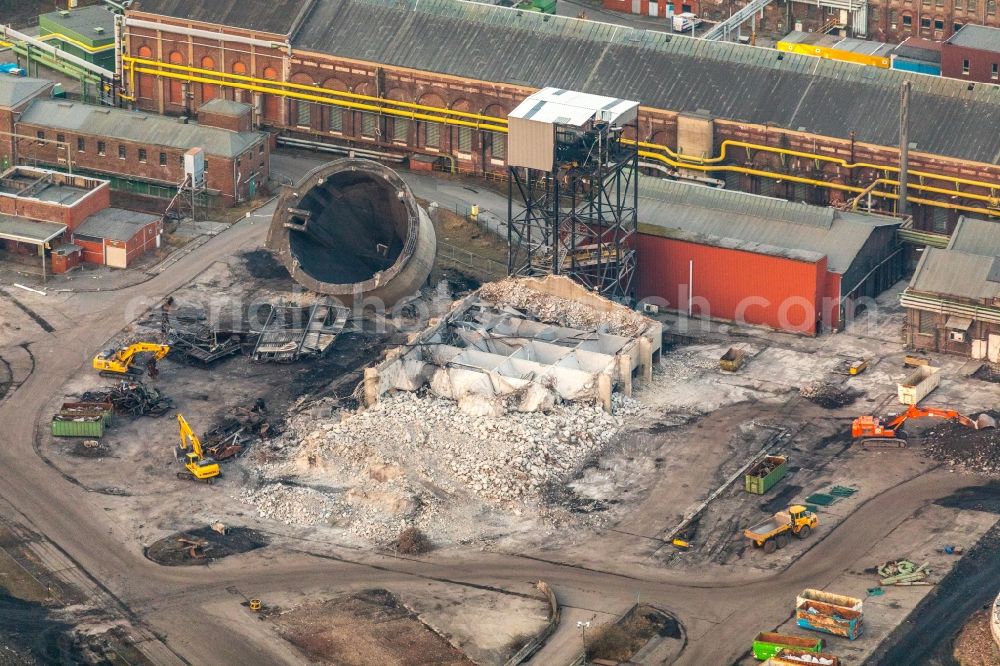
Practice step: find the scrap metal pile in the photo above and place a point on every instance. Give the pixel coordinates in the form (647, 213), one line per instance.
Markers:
(133, 398)
(237, 432)
(903, 572)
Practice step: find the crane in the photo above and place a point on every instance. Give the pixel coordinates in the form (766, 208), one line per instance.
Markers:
(115, 363)
(199, 468)
(874, 432)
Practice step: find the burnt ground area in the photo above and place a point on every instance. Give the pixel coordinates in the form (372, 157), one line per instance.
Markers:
(976, 450)
(264, 265)
(30, 635)
(830, 396)
(204, 545)
(369, 628)
(928, 634)
(988, 373)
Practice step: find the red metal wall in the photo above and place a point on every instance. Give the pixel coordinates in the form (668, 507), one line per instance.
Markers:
(733, 284)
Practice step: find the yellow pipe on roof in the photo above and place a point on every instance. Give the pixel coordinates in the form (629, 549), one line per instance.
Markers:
(56, 35)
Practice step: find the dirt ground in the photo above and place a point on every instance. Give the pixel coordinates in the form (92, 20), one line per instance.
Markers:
(975, 646)
(368, 628)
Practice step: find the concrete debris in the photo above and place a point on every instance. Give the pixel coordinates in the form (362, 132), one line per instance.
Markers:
(829, 396)
(514, 293)
(409, 458)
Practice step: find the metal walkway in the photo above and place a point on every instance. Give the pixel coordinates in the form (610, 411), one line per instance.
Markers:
(724, 29)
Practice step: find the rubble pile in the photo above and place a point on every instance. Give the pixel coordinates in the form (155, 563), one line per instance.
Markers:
(829, 396)
(515, 294)
(403, 460)
(976, 451)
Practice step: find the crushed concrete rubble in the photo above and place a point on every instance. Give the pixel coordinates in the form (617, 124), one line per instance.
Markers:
(409, 458)
(515, 294)
(976, 451)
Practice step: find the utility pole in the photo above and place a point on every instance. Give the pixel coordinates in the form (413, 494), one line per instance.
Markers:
(902, 205)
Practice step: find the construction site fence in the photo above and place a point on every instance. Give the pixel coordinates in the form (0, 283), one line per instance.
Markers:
(469, 262)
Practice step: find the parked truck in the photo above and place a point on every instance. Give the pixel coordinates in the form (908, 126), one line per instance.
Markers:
(776, 531)
(769, 643)
(830, 613)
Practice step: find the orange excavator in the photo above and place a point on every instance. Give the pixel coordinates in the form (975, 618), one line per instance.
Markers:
(874, 433)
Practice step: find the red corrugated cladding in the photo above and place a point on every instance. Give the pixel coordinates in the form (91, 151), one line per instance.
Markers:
(761, 289)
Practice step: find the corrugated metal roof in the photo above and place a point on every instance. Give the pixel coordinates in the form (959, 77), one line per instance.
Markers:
(915, 48)
(139, 127)
(660, 70)
(976, 236)
(956, 274)
(115, 224)
(29, 231)
(16, 89)
(751, 220)
(977, 37)
(264, 15)
(225, 107)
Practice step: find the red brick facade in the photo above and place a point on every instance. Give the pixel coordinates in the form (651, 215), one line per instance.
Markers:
(71, 215)
(961, 62)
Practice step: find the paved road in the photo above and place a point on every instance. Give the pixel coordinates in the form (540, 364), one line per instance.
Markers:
(180, 606)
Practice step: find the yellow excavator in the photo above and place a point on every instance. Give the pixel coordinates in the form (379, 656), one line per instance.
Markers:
(199, 468)
(118, 363)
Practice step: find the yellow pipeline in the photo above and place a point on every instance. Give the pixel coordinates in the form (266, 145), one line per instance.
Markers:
(55, 35)
(818, 183)
(310, 89)
(811, 156)
(495, 124)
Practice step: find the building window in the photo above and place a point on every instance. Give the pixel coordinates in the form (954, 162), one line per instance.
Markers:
(499, 147)
(939, 24)
(367, 124)
(336, 119)
(465, 139)
(303, 114)
(957, 27)
(61, 138)
(991, 7)
(965, 66)
(260, 149)
(400, 130)
(81, 145)
(876, 14)
(893, 17)
(142, 155)
(925, 322)
(163, 159)
(907, 21)
(41, 135)
(122, 151)
(925, 22)
(433, 135)
(994, 74)
(205, 166)
(958, 5)
(102, 148)
(971, 5)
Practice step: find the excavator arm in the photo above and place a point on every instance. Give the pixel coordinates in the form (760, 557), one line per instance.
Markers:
(127, 355)
(915, 412)
(188, 438)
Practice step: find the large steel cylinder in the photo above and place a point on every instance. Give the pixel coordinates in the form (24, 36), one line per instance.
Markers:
(353, 230)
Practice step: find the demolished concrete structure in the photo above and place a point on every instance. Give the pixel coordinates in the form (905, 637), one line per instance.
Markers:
(529, 341)
(352, 229)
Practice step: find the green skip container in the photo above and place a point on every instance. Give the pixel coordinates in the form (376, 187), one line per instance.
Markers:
(764, 474)
(80, 426)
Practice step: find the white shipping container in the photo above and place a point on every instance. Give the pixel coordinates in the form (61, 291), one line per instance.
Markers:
(918, 384)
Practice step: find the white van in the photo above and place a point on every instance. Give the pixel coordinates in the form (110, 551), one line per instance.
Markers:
(685, 21)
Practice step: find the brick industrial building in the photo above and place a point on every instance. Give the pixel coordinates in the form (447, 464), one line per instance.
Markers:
(883, 20)
(778, 124)
(953, 300)
(129, 146)
(64, 219)
(972, 54)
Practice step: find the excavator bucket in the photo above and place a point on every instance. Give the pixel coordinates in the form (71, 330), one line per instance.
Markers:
(985, 421)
